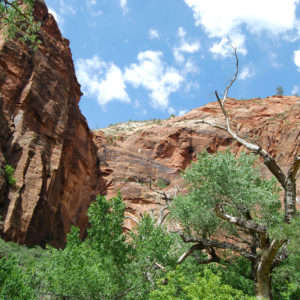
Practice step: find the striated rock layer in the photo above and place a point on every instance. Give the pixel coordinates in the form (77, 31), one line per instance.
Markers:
(133, 154)
(60, 165)
(45, 138)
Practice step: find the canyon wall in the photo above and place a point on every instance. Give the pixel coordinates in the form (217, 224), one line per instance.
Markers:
(45, 138)
(134, 154)
(60, 165)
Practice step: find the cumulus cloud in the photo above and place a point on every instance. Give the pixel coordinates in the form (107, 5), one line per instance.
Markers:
(153, 34)
(247, 72)
(297, 59)
(107, 82)
(221, 19)
(295, 90)
(184, 46)
(101, 80)
(91, 2)
(182, 112)
(223, 48)
(151, 74)
(124, 6)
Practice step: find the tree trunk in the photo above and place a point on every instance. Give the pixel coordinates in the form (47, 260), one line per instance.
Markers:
(263, 269)
(263, 280)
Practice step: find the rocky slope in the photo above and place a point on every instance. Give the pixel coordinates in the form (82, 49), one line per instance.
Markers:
(135, 153)
(60, 165)
(45, 138)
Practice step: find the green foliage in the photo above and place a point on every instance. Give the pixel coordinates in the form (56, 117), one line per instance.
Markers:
(279, 90)
(9, 175)
(24, 255)
(161, 183)
(153, 254)
(234, 183)
(107, 265)
(13, 281)
(16, 19)
(202, 285)
(286, 275)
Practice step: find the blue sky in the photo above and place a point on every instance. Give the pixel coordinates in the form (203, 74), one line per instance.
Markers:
(145, 59)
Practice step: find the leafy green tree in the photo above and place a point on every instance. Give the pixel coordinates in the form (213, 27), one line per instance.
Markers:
(279, 90)
(154, 253)
(107, 264)
(230, 210)
(287, 180)
(204, 285)
(13, 280)
(17, 20)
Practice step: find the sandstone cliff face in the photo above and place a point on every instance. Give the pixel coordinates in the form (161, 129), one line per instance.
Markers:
(45, 138)
(61, 165)
(132, 154)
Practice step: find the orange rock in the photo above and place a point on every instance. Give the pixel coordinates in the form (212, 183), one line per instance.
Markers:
(160, 151)
(45, 138)
(60, 165)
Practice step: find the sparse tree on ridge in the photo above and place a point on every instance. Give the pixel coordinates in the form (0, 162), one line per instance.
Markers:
(279, 90)
(230, 208)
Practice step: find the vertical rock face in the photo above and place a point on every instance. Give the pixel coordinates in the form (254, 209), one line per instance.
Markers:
(60, 165)
(133, 154)
(45, 138)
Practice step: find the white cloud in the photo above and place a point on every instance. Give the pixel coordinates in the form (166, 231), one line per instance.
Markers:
(59, 19)
(91, 2)
(222, 19)
(219, 18)
(66, 8)
(297, 59)
(247, 72)
(224, 47)
(101, 80)
(184, 47)
(153, 34)
(181, 32)
(171, 111)
(123, 5)
(190, 67)
(295, 90)
(151, 74)
(182, 112)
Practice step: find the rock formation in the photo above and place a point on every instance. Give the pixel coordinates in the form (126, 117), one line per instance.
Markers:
(60, 165)
(133, 154)
(45, 138)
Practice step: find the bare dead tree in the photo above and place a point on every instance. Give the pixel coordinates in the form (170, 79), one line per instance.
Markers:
(270, 254)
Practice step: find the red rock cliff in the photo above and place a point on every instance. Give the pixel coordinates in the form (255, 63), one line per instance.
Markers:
(132, 153)
(61, 165)
(45, 138)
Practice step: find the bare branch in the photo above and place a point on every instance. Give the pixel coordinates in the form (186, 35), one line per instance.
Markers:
(132, 218)
(247, 224)
(204, 243)
(234, 77)
(189, 252)
(162, 216)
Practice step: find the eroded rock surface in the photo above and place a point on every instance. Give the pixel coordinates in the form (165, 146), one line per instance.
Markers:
(133, 154)
(60, 165)
(45, 138)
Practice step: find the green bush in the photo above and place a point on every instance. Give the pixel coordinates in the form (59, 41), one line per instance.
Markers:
(9, 175)
(203, 285)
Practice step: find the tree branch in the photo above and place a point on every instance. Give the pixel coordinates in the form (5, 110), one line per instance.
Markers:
(205, 244)
(189, 252)
(247, 224)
